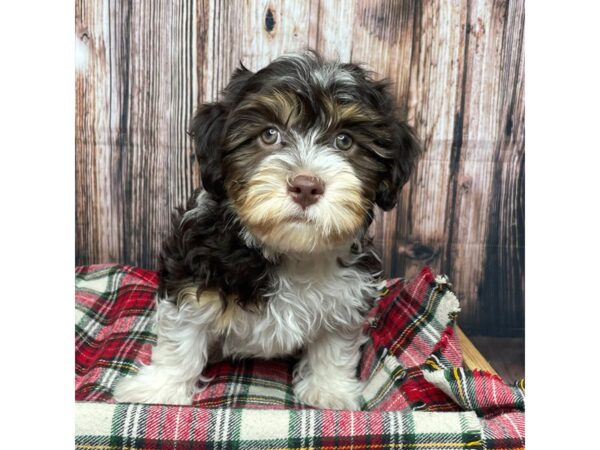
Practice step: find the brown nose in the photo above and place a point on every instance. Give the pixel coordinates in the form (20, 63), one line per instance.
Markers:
(306, 190)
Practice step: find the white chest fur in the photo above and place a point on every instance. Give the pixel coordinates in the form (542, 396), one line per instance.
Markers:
(308, 296)
(314, 305)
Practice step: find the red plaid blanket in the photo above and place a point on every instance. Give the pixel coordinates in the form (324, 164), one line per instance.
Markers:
(417, 395)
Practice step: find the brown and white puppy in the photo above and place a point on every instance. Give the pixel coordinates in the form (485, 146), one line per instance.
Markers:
(271, 259)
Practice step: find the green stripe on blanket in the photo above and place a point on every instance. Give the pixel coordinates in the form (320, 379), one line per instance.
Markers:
(116, 426)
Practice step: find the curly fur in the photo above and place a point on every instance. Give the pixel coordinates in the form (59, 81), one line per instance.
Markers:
(247, 270)
(206, 249)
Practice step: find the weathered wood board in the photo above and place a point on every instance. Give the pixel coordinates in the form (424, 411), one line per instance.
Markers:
(458, 68)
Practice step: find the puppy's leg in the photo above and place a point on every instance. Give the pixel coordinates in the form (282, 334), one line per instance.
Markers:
(326, 375)
(177, 360)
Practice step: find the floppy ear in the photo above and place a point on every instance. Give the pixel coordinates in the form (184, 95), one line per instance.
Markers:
(208, 131)
(406, 151)
(402, 147)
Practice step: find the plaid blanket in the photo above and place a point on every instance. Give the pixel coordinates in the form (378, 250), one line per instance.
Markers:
(417, 394)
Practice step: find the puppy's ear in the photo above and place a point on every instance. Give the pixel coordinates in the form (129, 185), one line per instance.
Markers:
(403, 149)
(406, 149)
(208, 131)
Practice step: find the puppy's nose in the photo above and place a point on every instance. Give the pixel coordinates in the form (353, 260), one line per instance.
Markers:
(306, 190)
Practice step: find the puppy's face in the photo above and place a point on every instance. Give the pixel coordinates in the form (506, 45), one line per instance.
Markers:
(303, 150)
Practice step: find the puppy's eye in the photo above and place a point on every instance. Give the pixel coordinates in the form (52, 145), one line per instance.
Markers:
(343, 141)
(271, 136)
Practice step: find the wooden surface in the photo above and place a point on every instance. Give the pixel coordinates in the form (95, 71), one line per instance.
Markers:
(143, 67)
(505, 354)
(472, 357)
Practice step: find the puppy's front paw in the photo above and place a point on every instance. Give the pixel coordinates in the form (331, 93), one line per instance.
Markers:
(329, 393)
(151, 385)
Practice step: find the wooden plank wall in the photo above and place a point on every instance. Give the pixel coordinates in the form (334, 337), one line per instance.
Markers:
(458, 67)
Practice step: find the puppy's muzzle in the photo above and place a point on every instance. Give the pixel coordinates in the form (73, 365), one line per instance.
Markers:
(306, 190)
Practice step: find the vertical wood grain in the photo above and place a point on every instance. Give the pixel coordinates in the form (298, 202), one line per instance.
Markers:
(99, 225)
(474, 222)
(331, 28)
(240, 34)
(137, 89)
(382, 38)
(142, 68)
(500, 295)
(435, 97)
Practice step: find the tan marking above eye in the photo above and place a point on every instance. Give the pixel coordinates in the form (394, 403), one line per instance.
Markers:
(271, 136)
(343, 141)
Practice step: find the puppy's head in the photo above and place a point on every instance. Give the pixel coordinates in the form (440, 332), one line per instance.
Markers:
(303, 149)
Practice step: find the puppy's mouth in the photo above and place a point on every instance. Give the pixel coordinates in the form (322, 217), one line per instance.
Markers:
(300, 218)
(303, 213)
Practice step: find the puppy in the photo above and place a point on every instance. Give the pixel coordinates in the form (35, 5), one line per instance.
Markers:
(271, 259)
